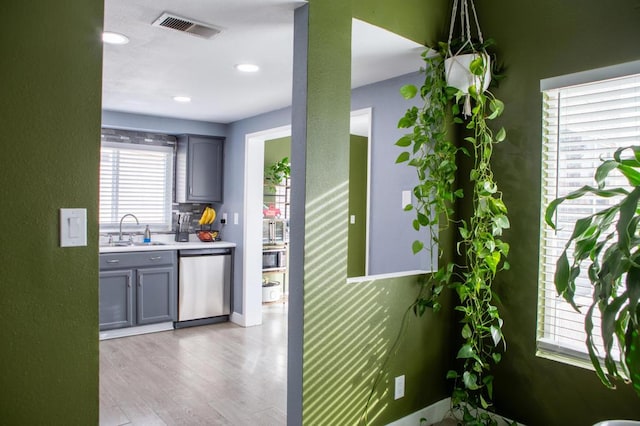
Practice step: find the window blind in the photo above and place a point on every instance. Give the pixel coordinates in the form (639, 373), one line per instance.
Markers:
(138, 179)
(582, 125)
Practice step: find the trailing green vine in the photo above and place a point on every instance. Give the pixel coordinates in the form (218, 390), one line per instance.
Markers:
(431, 151)
(434, 157)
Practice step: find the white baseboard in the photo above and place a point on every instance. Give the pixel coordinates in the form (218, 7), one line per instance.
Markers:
(241, 320)
(237, 318)
(134, 331)
(433, 413)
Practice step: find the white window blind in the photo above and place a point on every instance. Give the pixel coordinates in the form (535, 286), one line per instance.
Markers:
(138, 179)
(582, 125)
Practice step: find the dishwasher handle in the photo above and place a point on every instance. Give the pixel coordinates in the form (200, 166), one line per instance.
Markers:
(205, 252)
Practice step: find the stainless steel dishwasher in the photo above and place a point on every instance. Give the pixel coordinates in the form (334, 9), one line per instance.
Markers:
(204, 286)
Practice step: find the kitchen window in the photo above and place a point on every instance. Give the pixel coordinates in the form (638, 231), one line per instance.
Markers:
(586, 117)
(136, 176)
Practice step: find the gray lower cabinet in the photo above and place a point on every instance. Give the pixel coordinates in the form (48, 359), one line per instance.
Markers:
(137, 289)
(156, 295)
(116, 299)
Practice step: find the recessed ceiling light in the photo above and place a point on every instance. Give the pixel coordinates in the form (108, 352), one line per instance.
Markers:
(183, 99)
(247, 67)
(114, 38)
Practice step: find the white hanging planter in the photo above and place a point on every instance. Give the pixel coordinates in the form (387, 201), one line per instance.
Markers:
(459, 75)
(457, 64)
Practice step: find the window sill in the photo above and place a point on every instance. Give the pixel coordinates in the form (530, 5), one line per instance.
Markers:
(385, 276)
(563, 355)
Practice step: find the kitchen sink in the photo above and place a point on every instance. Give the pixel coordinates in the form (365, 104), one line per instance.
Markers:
(132, 244)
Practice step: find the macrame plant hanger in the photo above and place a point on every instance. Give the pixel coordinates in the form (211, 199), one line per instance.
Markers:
(465, 26)
(454, 62)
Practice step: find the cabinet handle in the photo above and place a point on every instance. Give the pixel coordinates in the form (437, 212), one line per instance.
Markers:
(113, 261)
(156, 258)
(128, 282)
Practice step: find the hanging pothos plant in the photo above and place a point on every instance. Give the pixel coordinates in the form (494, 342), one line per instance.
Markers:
(431, 150)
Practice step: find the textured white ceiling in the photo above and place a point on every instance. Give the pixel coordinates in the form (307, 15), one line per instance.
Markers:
(158, 63)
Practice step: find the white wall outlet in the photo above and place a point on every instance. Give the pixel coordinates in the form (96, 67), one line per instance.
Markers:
(352, 219)
(399, 388)
(224, 218)
(235, 218)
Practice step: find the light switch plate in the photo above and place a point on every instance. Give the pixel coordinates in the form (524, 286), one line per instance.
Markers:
(73, 227)
(406, 198)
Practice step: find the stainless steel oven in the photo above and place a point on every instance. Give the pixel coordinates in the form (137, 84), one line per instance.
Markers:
(275, 231)
(274, 257)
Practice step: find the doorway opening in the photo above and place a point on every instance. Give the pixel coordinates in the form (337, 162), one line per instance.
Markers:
(253, 215)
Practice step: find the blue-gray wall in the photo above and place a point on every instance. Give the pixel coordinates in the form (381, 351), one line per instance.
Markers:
(234, 183)
(390, 231)
(171, 126)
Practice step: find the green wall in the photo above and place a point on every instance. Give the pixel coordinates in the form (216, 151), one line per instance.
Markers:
(276, 150)
(50, 121)
(538, 40)
(348, 328)
(350, 333)
(357, 237)
(50, 117)
(424, 21)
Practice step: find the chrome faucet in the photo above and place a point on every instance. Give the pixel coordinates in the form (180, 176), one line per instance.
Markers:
(121, 219)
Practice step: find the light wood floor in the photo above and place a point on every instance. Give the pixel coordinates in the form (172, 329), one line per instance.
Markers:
(219, 374)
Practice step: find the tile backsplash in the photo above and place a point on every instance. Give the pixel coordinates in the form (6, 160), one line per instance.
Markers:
(195, 211)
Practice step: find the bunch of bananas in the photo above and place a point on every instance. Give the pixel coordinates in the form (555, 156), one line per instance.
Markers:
(208, 216)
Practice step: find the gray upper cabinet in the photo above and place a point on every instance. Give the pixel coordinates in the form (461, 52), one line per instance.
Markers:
(199, 169)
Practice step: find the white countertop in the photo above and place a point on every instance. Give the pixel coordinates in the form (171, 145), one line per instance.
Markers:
(168, 244)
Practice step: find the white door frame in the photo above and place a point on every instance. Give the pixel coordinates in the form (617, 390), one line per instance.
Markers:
(252, 240)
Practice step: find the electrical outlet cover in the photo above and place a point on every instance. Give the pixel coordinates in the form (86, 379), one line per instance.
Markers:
(399, 387)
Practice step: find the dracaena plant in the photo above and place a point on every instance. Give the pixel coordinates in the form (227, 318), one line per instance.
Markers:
(606, 245)
(429, 148)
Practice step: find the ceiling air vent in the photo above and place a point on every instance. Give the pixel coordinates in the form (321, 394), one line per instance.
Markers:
(185, 25)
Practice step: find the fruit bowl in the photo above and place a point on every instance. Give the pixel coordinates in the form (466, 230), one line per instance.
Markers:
(208, 236)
